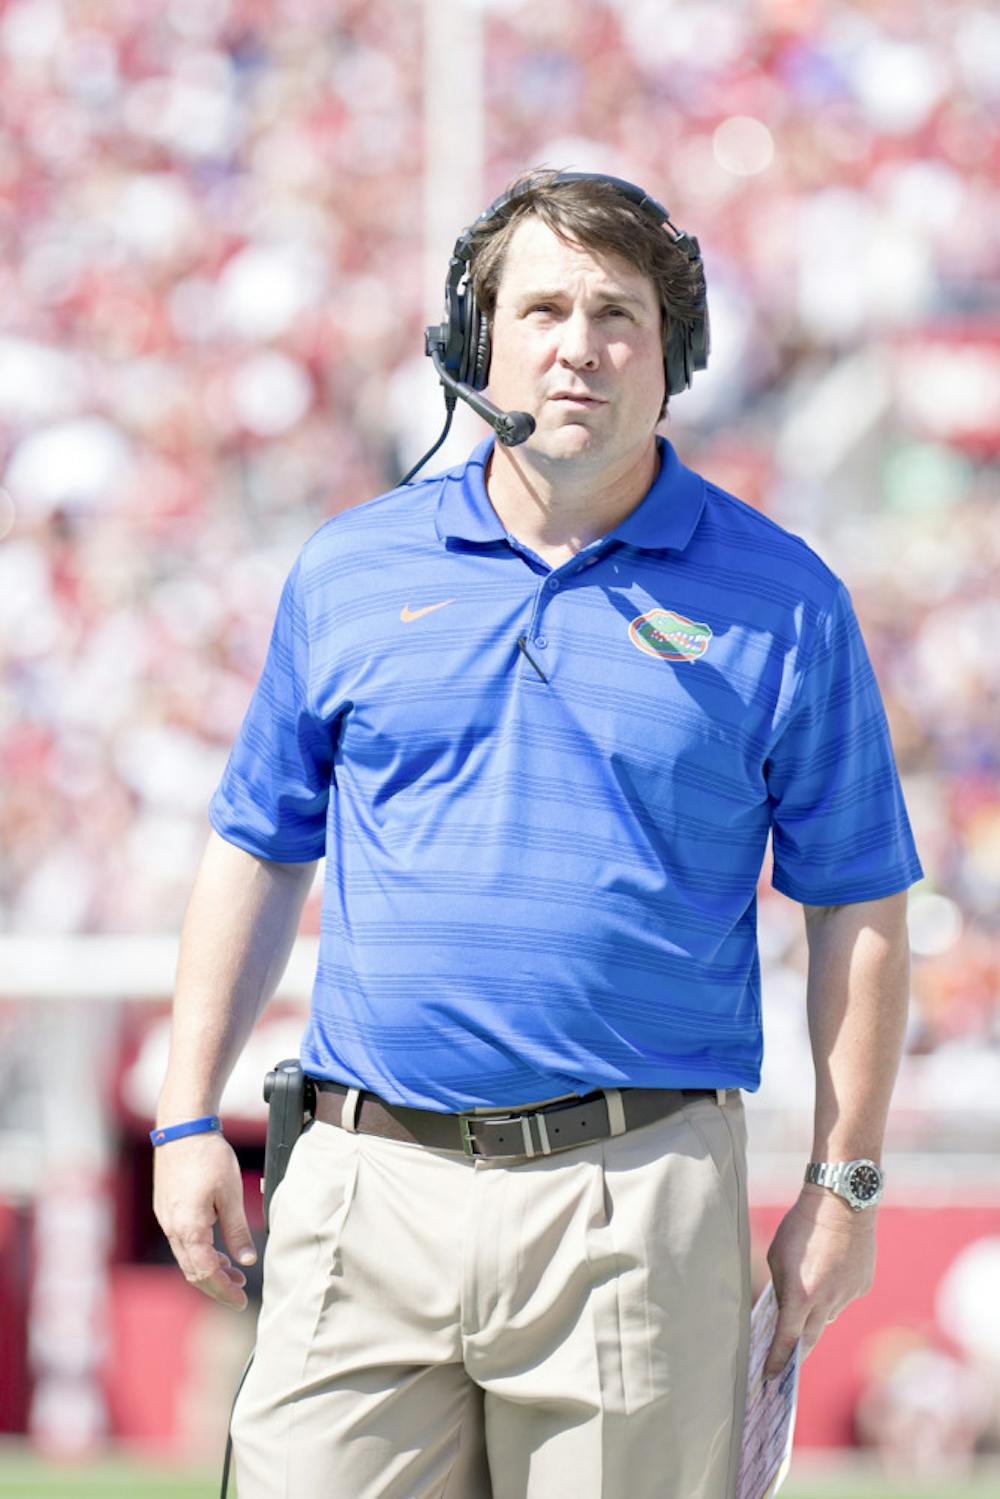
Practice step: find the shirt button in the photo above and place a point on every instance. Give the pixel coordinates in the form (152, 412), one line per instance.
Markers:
(553, 583)
(541, 642)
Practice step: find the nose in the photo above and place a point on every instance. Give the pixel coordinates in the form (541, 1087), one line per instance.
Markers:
(578, 347)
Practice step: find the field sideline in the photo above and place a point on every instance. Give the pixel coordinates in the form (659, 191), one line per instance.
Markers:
(23, 1476)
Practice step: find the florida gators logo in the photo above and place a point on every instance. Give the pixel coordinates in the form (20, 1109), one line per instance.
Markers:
(666, 634)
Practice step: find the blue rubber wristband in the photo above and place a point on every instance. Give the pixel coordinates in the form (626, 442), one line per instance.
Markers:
(208, 1124)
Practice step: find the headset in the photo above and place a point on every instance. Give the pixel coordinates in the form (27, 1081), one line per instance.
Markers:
(460, 346)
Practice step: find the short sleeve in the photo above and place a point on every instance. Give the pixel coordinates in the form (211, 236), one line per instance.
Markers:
(840, 831)
(273, 796)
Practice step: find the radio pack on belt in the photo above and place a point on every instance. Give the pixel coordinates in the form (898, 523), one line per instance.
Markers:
(291, 1099)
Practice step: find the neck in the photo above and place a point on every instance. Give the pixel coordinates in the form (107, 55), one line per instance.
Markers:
(552, 506)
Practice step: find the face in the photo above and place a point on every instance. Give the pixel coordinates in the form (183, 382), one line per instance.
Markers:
(576, 342)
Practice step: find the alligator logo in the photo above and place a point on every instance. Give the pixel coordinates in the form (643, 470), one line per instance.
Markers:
(666, 634)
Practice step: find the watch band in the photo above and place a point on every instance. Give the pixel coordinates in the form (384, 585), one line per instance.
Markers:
(859, 1182)
(824, 1173)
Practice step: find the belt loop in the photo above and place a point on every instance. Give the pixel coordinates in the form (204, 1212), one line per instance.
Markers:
(616, 1110)
(721, 1094)
(349, 1112)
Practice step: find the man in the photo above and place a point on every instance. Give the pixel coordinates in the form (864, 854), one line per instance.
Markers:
(540, 714)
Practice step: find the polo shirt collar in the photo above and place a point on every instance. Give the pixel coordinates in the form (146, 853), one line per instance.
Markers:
(463, 509)
(666, 517)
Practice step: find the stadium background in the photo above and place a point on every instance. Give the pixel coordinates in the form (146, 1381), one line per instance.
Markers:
(224, 226)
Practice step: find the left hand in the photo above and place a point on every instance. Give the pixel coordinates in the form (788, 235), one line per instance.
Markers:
(822, 1257)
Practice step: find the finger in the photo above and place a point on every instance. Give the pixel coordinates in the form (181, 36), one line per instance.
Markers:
(778, 1355)
(786, 1334)
(211, 1272)
(233, 1224)
(233, 1275)
(220, 1285)
(816, 1324)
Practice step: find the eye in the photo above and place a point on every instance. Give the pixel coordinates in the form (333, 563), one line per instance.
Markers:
(617, 312)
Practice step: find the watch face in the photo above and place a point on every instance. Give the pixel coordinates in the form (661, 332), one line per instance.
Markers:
(865, 1181)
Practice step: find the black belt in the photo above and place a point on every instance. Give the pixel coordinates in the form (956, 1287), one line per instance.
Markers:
(515, 1133)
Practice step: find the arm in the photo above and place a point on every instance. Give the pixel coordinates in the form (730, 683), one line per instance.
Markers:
(238, 932)
(823, 1254)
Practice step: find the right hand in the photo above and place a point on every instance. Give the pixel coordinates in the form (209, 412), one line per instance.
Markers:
(197, 1180)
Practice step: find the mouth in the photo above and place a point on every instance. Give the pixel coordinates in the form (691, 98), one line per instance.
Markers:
(569, 398)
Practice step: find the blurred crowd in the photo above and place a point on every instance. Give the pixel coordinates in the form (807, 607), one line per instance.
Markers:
(212, 297)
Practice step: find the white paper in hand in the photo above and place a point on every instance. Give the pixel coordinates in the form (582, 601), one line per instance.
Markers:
(769, 1424)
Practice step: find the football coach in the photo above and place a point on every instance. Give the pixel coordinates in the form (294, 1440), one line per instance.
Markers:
(541, 714)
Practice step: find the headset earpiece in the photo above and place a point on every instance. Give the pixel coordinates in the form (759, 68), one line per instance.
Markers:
(472, 321)
(451, 334)
(481, 370)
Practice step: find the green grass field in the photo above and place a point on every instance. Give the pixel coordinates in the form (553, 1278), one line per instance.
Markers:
(25, 1477)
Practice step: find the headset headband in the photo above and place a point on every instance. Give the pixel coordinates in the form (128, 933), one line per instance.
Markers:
(463, 339)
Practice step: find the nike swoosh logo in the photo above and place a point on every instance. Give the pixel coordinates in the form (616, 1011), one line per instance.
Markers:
(406, 613)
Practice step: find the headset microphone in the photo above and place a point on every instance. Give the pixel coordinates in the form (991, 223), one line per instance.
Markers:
(511, 427)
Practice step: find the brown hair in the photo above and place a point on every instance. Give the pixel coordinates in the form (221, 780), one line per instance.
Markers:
(592, 213)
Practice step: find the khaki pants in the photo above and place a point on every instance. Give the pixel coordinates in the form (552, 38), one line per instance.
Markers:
(570, 1327)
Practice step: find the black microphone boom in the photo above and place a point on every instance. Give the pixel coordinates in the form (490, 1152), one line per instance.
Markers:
(511, 427)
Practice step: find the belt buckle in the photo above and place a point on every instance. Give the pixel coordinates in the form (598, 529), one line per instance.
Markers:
(465, 1122)
(469, 1142)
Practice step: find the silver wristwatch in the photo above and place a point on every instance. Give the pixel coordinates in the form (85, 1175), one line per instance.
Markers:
(860, 1183)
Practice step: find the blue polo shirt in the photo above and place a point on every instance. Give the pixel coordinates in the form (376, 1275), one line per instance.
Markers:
(542, 858)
